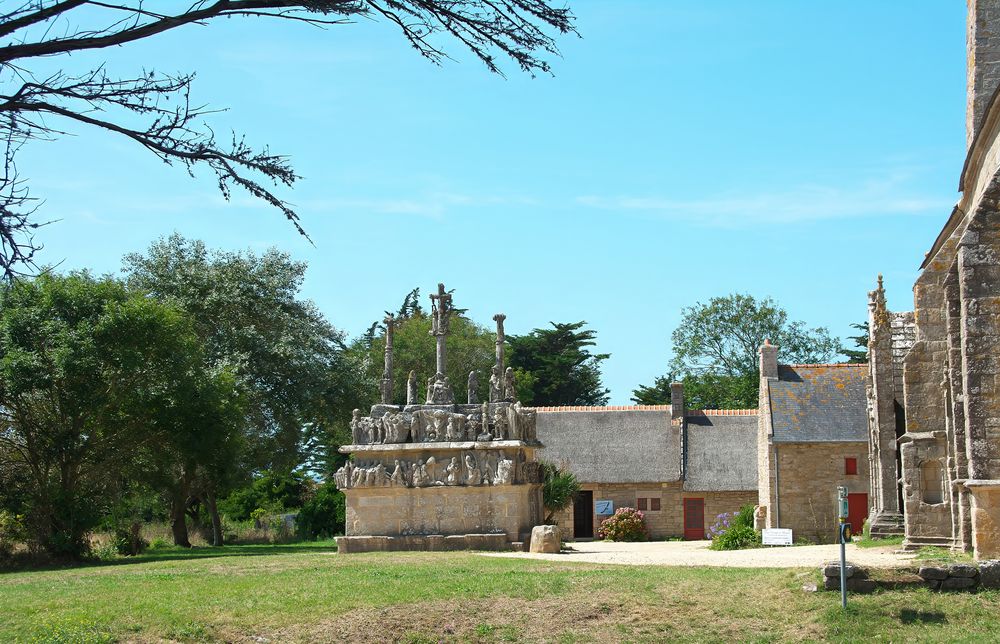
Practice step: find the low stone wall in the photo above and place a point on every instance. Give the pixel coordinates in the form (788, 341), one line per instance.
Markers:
(957, 576)
(857, 578)
(430, 542)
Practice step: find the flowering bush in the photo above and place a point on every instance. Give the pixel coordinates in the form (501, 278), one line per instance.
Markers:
(626, 524)
(734, 530)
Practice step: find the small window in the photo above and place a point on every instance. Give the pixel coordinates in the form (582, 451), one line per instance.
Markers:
(654, 504)
(640, 504)
(850, 466)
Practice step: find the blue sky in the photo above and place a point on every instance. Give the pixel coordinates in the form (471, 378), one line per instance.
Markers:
(682, 150)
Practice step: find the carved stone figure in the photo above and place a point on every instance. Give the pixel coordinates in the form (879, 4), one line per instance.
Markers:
(472, 474)
(398, 478)
(472, 428)
(496, 385)
(430, 391)
(420, 476)
(356, 426)
(473, 388)
(500, 425)
(416, 428)
(411, 389)
(455, 431)
(505, 471)
(396, 428)
(454, 470)
(484, 434)
(509, 393)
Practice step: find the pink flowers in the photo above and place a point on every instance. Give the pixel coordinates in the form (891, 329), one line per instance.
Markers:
(626, 524)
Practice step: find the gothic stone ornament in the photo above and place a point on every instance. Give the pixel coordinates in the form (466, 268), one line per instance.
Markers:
(434, 467)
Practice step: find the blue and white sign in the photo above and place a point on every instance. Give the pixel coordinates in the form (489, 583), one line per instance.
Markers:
(604, 508)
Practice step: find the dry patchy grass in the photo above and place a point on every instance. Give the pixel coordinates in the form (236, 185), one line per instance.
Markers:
(308, 594)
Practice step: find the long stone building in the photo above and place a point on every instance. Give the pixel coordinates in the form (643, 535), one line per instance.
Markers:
(935, 394)
(683, 468)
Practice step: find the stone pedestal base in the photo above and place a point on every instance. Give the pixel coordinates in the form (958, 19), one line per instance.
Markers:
(985, 517)
(508, 510)
(886, 524)
(430, 542)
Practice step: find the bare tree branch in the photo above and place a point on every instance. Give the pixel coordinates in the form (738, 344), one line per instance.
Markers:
(155, 110)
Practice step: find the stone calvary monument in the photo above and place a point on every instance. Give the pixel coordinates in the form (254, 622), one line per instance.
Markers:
(441, 475)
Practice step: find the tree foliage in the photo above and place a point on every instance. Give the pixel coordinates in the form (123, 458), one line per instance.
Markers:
(156, 110)
(858, 353)
(556, 367)
(97, 385)
(715, 351)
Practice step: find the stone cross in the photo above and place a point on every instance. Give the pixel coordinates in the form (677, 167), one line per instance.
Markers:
(390, 323)
(499, 318)
(441, 309)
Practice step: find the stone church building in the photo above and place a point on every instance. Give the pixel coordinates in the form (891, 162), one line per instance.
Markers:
(935, 372)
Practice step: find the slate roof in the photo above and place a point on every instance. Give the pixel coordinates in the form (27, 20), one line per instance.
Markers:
(819, 403)
(626, 445)
(721, 453)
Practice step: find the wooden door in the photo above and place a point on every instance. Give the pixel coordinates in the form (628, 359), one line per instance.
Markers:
(857, 511)
(694, 519)
(583, 515)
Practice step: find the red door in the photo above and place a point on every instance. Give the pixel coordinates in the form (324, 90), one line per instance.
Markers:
(694, 519)
(857, 511)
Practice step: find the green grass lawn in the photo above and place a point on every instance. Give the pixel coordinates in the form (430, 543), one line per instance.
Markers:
(305, 592)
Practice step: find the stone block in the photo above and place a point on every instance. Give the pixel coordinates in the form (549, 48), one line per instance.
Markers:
(545, 538)
(929, 573)
(958, 583)
(863, 586)
(833, 570)
(963, 570)
(989, 573)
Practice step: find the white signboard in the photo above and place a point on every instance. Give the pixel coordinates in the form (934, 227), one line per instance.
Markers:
(776, 536)
(604, 508)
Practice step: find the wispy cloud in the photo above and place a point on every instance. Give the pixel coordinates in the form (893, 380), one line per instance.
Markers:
(799, 204)
(434, 205)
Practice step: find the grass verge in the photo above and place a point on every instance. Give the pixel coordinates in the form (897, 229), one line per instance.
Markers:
(304, 592)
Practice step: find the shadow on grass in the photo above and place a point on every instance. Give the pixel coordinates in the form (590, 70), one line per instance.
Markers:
(910, 616)
(175, 553)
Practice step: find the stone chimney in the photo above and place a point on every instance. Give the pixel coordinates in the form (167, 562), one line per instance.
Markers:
(982, 62)
(677, 401)
(768, 360)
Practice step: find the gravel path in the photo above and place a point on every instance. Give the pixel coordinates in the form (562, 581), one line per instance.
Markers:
(696, 553)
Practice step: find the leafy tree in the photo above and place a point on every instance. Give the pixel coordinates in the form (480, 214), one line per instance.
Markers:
(324, 515)
(156, 111)
(272, 491)
(95, 383)
(555, 366)
(860, 353)
(559, 489)
(716, 345)
(285, 358)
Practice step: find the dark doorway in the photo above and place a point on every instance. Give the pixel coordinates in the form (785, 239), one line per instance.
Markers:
(694, 519)
(583, 515)
(900, 417)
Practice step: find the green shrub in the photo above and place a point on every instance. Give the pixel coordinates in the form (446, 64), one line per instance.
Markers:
(626, 524)
(559, 489)
(734, 530)
(324, 515)
(11, 532)
(866, 531)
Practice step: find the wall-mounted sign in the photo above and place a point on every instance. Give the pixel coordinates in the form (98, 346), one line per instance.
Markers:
(604, 508)
(776, 536)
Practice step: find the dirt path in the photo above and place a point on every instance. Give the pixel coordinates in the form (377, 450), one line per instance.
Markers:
(696, 553)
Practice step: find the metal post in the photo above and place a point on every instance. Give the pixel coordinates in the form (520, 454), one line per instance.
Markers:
(843, 530)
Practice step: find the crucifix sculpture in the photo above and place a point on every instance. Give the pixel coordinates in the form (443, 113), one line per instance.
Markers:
(441, 309)
(499, 318)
